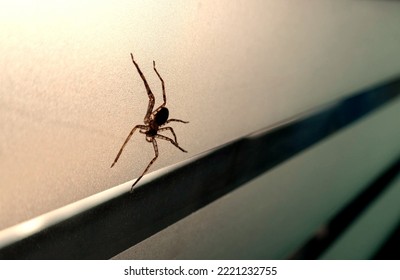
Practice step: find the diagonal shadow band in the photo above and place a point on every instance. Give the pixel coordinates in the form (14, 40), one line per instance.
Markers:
(113, 225)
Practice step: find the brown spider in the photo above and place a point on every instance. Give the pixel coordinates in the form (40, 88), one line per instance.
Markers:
(153, 122)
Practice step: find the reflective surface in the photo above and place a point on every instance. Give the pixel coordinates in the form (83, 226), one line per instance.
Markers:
(120, 219)
(69, 93)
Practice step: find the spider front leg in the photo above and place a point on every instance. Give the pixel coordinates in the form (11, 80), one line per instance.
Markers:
(170, 129)
(151, 162)
(149, 93)
(126, 141)
(171, 141)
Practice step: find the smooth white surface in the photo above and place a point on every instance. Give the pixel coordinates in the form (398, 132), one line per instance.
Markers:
(273, 215)
(69, 93)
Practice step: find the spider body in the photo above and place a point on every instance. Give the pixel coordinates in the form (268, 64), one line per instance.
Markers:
(154, 122)
(157, 119)
(161, 116)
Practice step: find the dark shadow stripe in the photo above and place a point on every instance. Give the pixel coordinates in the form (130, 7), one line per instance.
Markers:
(333, 229)
(115, 225)
(391, 249)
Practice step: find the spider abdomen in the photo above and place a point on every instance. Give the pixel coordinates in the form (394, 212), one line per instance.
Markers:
(161, 116)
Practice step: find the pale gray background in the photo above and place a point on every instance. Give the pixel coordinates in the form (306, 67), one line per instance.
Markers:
(276, 213)
(70, 94)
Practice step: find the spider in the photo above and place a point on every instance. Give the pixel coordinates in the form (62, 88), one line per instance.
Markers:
(154, 122)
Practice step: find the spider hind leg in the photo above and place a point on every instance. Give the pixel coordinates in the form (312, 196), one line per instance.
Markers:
(148, 90)
(162, 85)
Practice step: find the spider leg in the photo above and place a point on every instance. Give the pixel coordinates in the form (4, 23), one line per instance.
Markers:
(162, 84)
(175, 120)
(126, 141)
(151, 162)
(170, 129)
(149, 93)
(170, 140)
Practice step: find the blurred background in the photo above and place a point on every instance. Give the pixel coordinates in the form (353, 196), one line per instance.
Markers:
(70, 95)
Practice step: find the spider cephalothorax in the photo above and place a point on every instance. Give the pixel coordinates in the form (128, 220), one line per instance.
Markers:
(153, 122)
